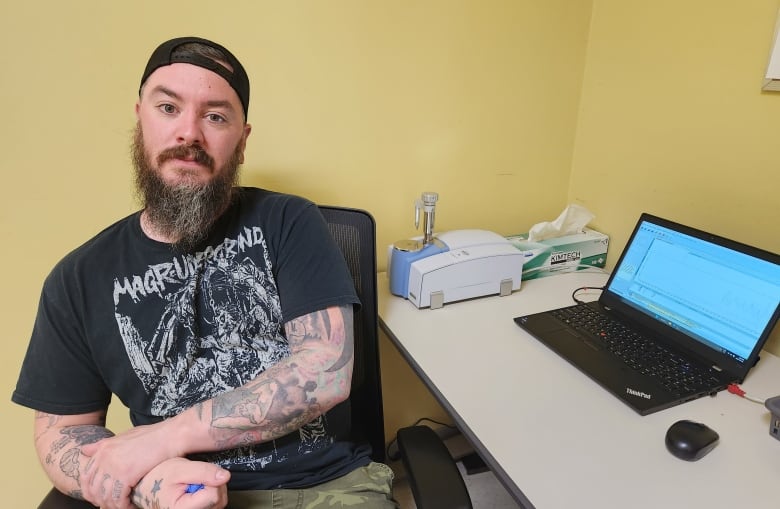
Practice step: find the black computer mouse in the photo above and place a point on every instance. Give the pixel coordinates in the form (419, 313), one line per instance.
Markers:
(689, 440)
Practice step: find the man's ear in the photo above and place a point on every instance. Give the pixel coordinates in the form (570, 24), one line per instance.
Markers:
(247, 130)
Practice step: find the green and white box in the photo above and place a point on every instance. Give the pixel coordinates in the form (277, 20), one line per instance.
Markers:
(567, 253)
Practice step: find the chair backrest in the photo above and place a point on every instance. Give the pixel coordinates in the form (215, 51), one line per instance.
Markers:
(354, 231)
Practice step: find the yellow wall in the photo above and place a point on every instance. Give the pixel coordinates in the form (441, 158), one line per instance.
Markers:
(509, 109)
(673, 120)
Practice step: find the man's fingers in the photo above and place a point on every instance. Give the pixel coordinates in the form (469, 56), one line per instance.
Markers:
(88, 449)
(204, 473)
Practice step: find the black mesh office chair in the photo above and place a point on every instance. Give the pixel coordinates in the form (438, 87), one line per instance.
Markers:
(433, 476)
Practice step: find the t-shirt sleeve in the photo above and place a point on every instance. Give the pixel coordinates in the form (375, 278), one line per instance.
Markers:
(311, 271)
(58, 374)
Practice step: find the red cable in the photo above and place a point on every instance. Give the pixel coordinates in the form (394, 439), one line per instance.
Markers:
(735, 389)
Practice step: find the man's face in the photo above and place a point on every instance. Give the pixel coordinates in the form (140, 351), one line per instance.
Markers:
(184, 106)
(188, 144)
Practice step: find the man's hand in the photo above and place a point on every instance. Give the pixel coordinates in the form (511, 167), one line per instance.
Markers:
(166, 486)
(117, 464)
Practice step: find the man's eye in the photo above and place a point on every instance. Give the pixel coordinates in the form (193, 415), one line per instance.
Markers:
(168, 108)
(213, 117)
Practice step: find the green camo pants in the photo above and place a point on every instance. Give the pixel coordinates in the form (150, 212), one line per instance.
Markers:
(370, 487)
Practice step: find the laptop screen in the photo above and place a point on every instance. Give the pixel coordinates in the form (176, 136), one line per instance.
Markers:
(721, 296)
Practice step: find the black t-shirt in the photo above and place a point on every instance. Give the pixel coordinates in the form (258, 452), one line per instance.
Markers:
(162, 330)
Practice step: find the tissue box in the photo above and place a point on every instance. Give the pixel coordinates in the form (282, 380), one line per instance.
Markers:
(561, 254)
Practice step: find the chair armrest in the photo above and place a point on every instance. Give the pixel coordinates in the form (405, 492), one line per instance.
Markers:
(433, 476)
(58, 500)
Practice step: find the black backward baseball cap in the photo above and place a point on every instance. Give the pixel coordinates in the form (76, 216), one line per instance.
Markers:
(164, 55)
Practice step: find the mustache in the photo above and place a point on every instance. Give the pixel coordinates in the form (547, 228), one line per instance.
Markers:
(189, 152)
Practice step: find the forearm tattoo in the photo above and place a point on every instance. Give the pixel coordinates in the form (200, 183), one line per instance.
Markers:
(65, 451)
(282, 400)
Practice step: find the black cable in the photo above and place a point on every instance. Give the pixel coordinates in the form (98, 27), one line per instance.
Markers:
(574, 293)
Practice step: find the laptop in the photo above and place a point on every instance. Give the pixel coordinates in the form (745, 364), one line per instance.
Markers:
(695, 309)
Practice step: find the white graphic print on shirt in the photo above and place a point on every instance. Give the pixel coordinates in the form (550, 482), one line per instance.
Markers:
(215, 324)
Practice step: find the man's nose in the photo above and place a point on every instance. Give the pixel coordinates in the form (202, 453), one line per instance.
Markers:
(189, 130)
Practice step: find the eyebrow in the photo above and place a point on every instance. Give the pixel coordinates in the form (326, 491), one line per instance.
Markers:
(166, 91)
(215, 103)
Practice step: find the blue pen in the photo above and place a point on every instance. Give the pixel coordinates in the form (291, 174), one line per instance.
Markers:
(192, 488)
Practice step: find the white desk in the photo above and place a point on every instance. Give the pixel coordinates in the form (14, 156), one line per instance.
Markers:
(557, 440)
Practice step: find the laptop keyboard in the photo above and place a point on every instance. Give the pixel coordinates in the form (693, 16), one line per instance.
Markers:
(638, 352)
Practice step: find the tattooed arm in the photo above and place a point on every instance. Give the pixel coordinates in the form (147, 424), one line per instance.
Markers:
(312, 380)
(58, 441)
(315, 378)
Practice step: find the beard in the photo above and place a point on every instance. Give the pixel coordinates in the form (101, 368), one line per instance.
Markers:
(184, 211)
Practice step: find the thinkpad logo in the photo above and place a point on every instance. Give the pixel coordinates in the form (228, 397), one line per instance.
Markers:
(634, 392)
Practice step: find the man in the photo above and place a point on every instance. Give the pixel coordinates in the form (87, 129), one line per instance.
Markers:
(221, 316)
